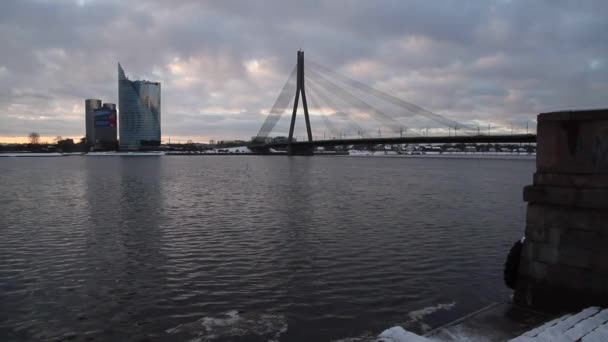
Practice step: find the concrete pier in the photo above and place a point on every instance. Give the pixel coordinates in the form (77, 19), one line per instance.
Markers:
(300, 149)
(564, 262)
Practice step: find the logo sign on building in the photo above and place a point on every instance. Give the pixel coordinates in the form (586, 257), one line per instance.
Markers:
(105, 118)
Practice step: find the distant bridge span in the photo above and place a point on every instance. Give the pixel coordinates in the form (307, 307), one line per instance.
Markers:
(307, 147)
(365, 100)
(465, 139)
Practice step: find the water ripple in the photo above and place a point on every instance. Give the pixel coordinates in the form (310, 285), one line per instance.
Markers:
(250, 248)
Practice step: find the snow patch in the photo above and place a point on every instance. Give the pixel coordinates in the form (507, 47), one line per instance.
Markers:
(398, 334)
(417, 315)
(459, 334)
(238, 149)
(28, 154)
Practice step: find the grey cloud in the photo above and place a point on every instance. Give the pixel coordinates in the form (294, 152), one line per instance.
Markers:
(501, 61)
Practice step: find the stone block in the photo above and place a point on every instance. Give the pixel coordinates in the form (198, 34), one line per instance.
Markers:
(599, 262)
(598, 283)
(554, 236)
(537, 251)
(596, 220)
(574, 256)
(594, 282)
(565, 276)
(545, 295)
(536, 270)
(571, 180)
(586, 219)
(589, 219)
(527, 252)
(548, 195)
(537, 233)
(573, 142)
(566, 196)
(535, 215)
(546, 253)
(593, 198)
(555, 217)
(575, 115)
(588, 240)
(547, 234)
(557, 225)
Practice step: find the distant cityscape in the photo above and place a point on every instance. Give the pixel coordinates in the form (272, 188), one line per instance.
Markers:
(138, 117)
(136, 126)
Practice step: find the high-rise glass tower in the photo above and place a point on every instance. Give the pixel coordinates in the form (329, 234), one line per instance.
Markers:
(139, 113)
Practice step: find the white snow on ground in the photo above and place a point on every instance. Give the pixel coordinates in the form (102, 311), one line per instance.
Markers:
(123, 154)
(398, 334)
(30, 154)
(238, 149)
(90, 154)
(461, 334)
(598, 335)
(589, 325)
(460, 155)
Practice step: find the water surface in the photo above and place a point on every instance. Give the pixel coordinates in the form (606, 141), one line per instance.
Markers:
(250, 247)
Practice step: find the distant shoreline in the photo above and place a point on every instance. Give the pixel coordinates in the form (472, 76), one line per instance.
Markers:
(358, 154)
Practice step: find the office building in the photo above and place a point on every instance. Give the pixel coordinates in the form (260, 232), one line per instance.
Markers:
(90, 105)
(139, 107)
(110, 106)
(105, 127)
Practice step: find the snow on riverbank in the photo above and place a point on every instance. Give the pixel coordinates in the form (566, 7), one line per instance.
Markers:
(90, 154)
(588, 325)
(26, 154)
(455, 155)
(124, 154)
(238, 149)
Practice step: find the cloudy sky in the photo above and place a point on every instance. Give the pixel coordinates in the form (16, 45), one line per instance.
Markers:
(223, 63)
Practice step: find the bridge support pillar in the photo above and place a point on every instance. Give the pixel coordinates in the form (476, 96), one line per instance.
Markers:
(300, 150)
(299, 89)
(564, 261)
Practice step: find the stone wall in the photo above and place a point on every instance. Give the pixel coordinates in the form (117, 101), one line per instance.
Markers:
(564, 264)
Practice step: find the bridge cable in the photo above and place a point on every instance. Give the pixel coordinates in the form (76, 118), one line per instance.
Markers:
(344, 116)
(355, 103)
(410, 107)
(279, 106)
(353, 100)
(316, 88)
(313, 99)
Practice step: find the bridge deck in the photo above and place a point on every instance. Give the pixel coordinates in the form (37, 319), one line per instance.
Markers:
(466, 139)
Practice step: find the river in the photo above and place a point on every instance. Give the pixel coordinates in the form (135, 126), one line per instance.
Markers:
(241, 248)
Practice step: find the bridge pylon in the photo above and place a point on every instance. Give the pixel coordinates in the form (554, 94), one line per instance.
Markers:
(306, 150)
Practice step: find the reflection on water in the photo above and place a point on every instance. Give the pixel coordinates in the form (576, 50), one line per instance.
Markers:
(294, 249)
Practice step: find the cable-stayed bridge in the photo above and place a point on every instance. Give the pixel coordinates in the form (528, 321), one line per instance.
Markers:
(345, 108)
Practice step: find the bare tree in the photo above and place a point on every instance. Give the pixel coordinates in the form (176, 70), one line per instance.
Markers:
(58, 139)
(34, 138)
